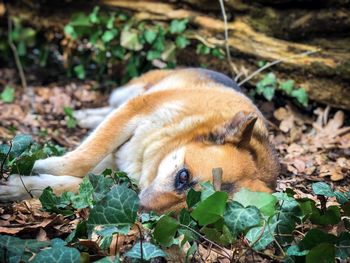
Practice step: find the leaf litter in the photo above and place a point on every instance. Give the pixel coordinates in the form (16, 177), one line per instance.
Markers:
(312, 148)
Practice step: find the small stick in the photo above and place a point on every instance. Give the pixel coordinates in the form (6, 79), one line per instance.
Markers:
(227, 45)
(274, 63)
(15, 54)
(217, 178)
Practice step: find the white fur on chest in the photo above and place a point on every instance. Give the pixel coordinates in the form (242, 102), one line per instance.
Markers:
(129, 157)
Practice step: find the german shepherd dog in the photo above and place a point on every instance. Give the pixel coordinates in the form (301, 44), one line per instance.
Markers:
(167, 129)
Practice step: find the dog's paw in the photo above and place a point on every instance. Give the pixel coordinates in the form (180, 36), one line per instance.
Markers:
(18, 187)
(13, 189)
(52, 165)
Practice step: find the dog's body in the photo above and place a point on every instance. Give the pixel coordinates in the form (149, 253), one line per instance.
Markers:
(168, 130)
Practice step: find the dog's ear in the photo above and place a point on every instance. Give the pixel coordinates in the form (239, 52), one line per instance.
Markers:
(238, 130)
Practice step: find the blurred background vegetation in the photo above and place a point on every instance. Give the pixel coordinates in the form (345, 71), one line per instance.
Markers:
(112, 41)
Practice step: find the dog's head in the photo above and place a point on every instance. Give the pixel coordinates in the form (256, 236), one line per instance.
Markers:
(237, 146)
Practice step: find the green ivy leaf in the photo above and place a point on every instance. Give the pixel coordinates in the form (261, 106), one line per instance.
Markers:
(149, 251)
(150, 35)
(202, 49)
(207, 190)
(101, 184)
(239, 218)
(56, 204)
(20, 143)
(296, 251)
(269, 93)
(130, 40)
(332, 216)
(185, 217)
(181, 42)
(341, 197)
(343, 248)
(261, 237)
(119, 207)
(211, 209)
(8, 94)
(321, 188)
(14, 249)
(217, 52)
(267, 86)
(79, 71)
(58, 254)
(111, 230)
(178, 26)
(264, 201)
(153, 54)
(109, 35)
(25, 162)
(165, 230)
(324, 252)
(79, 232)
(94, 15)
(193, 197)
(70, 31)
(314, 237)
(287, 86)
(110, 22)
(85, 197)
(301, 96)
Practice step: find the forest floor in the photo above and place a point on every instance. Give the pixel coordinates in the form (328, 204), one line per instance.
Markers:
(312, 147)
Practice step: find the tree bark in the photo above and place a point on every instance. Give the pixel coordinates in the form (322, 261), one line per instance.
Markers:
(269, 30)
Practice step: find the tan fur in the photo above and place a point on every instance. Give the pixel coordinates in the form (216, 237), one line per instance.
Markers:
(215, 125)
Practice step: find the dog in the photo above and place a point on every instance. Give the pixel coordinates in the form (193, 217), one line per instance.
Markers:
(167, 129)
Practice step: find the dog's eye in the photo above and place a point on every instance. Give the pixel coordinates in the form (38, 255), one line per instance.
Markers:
(182, 179)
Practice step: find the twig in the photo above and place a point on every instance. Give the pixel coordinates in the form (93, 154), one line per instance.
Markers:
(278, 244)
(227, 46)
(217, 178)
(323, 203)
(4, 161)
(15, 53)
(201, 39)
(206, 239)
(20, 177)
(141, 240)
(274, 63)
(253, 243)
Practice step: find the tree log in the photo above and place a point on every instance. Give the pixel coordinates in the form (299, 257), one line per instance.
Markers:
(325, 75)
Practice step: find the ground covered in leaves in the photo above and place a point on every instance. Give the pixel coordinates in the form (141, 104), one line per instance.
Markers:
(313, 147)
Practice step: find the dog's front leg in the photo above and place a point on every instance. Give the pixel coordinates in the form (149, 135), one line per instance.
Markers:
(116, 129)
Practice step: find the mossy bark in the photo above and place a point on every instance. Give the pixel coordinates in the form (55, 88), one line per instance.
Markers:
(267, 30)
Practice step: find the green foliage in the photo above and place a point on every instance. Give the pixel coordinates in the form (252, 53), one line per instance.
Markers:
(100, 43)
(149, 251)
(19, 156)
(265, 202)
(165, 230)
(8, 94)
(119, 207)
(71, 122)
(211, 209)
(59, 253)
(269, 84)
(253, 220)
(116, 38)
(15, 250)
(239, 218)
